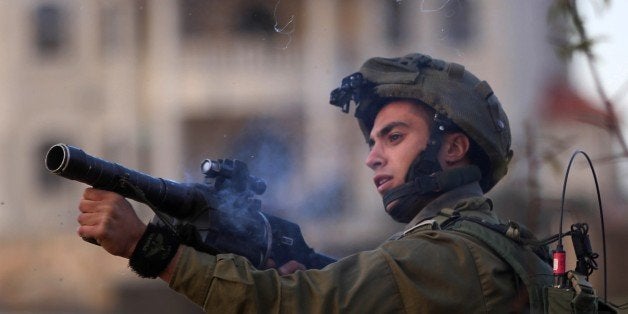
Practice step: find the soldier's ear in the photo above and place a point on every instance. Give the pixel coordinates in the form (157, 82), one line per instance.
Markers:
(454, 149)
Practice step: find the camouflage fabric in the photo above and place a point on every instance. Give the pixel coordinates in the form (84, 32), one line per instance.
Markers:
(421, 271)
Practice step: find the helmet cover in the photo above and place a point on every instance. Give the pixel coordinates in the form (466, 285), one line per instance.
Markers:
(447, 88)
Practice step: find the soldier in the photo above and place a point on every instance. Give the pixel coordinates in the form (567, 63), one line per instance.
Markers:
(439, 139)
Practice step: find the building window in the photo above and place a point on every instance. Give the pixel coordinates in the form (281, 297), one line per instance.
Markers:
(395, 23)
(255, 18)
(458, 18)
(50, 28)
(232, 21)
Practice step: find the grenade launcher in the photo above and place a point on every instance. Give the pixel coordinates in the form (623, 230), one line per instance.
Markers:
(221, 215)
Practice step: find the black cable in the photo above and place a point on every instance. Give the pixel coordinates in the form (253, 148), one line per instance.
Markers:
(549, 240)
(586, 263)
(599, 201)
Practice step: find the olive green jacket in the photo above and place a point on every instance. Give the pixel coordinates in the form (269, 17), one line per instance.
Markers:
(417, 271)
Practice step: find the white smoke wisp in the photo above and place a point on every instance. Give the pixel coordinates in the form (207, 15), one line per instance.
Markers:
(428, 6)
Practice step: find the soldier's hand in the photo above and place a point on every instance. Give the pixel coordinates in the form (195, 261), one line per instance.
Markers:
(287, 268)
(110, 219)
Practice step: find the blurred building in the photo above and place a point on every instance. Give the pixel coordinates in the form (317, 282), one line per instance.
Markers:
(161, 85)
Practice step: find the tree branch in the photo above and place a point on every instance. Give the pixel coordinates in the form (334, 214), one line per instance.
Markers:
(585, 47)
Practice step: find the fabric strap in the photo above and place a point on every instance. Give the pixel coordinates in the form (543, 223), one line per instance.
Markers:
(154, 251)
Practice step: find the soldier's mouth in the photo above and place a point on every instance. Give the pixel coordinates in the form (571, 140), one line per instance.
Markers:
(382, 182)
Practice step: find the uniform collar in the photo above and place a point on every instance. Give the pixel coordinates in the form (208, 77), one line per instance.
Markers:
(448, 199)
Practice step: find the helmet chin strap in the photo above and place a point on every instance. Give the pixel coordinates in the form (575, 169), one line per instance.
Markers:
(412, 196)
(426, 179)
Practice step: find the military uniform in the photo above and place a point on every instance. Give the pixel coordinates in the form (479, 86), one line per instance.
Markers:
(419, 270)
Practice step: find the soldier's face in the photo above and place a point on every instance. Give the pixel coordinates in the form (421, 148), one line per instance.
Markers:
(400, 132)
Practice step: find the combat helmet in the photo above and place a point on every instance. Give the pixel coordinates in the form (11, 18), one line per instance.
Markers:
(455, 94)
(459, 101)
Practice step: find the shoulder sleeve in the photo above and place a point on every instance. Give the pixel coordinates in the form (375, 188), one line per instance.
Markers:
(424, 272)
(359, 283)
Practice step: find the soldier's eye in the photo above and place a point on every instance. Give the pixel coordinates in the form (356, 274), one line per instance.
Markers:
(394, 137)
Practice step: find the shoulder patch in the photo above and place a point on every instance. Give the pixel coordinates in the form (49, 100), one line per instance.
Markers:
(424, 225)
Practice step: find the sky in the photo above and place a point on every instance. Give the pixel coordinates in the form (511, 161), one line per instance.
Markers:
(607, 24)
